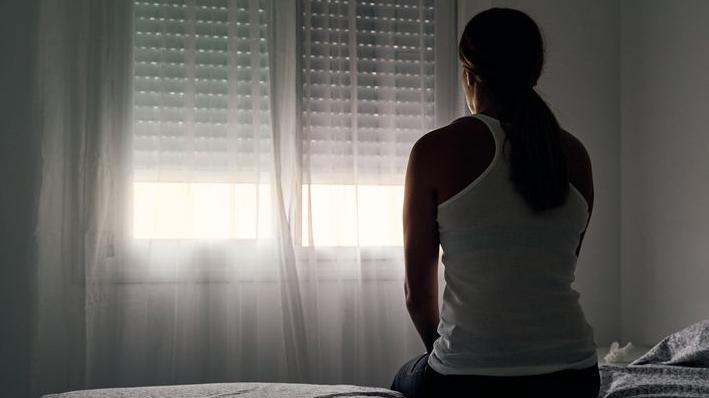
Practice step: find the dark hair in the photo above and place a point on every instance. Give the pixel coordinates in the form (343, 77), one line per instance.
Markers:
(503, 50)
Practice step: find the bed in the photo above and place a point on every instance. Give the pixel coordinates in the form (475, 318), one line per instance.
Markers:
(231, 390)
(676, 367)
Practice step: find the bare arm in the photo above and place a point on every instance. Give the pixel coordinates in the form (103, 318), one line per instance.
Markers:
(421, 245)
(581, 176)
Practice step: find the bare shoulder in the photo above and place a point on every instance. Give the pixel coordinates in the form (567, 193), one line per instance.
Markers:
(422, 158)
(435, 147)
(579, 165)
(573, 144)
(464, 127)
(576, 152)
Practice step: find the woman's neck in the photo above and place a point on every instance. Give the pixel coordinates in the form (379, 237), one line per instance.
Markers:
(485, 106)
(489, 111)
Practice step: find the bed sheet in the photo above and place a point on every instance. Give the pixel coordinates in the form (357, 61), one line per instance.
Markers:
(240, 390)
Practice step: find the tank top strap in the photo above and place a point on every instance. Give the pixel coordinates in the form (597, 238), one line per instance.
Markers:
(498, 133)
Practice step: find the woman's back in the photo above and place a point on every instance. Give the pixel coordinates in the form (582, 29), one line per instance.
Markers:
(465, 149)
(508, 307)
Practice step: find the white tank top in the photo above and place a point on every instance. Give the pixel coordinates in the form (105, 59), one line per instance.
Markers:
(508, 305)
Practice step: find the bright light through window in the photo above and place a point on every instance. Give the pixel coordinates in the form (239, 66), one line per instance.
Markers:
(349, 215)
(201, 211)
(343, 215)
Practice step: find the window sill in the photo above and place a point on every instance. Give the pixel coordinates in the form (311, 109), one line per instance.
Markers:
(179, 261)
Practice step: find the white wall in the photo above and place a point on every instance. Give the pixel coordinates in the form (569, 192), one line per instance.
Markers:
(580, 83)
(665, 166)
(19, 161)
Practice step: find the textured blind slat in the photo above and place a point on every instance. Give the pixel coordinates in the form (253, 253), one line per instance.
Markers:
(201, 105)
(368, 87)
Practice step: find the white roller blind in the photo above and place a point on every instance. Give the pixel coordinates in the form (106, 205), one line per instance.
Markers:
(368, 86)
(201, 106)
(202, 115)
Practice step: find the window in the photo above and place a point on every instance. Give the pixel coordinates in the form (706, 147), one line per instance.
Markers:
(201, 140)
(368, 89)
(202, 134)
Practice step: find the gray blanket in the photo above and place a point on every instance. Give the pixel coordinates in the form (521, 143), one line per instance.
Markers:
(676, 367)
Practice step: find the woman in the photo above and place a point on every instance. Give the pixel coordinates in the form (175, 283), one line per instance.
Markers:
(508, 195)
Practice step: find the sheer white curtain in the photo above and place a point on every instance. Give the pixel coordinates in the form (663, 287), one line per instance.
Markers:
(368, 86)
(222, 186)
(82, 110)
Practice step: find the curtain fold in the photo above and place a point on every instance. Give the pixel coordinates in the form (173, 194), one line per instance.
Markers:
(284, 34)
(83, 111)
(221, 188)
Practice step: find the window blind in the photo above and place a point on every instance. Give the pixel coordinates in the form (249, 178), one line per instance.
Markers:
(368, 86)
(201, 107)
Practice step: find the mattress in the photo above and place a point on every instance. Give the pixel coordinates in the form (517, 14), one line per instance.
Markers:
(240, 390)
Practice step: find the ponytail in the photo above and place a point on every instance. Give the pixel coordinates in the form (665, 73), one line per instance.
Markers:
(537, 161)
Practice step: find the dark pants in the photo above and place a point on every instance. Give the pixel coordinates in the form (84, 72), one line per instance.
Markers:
(417, 380)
